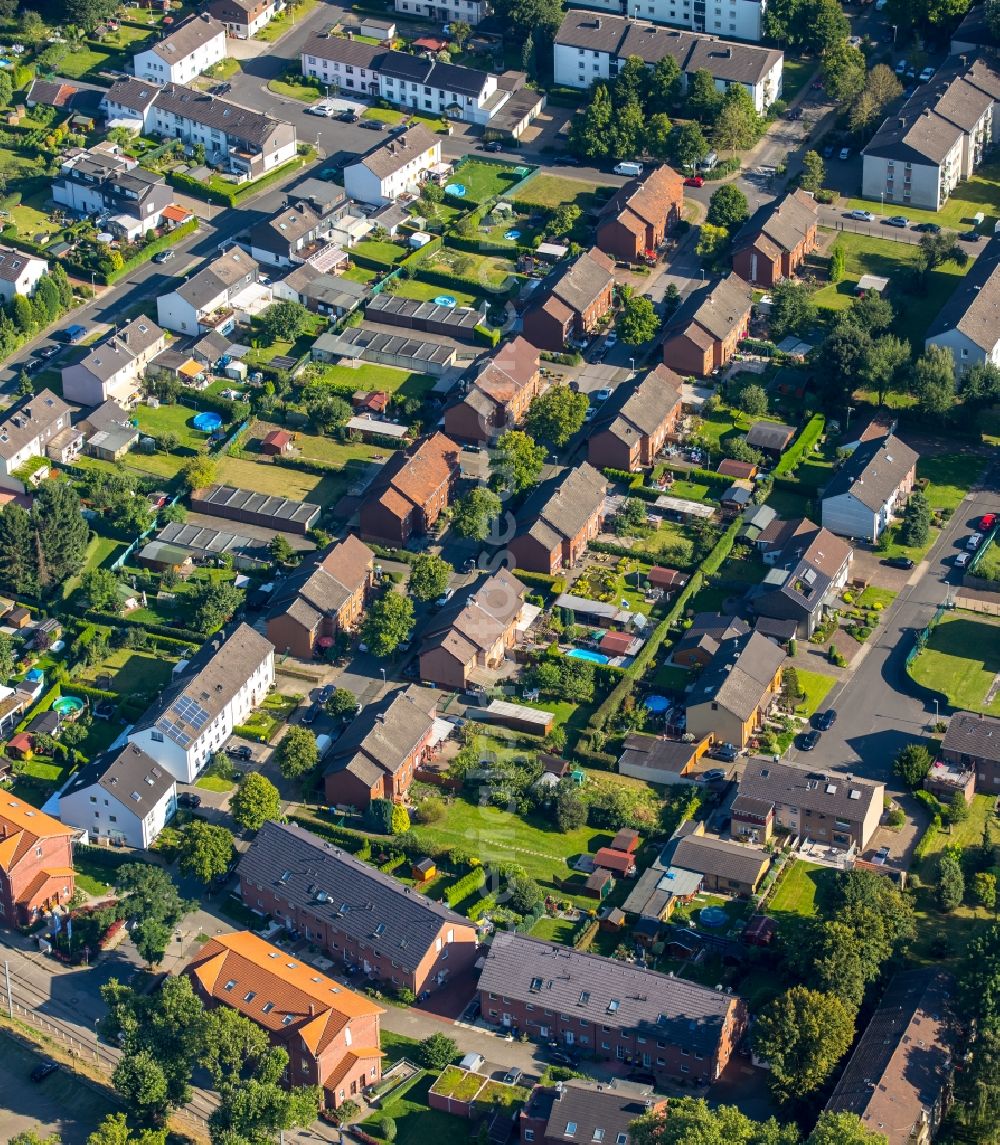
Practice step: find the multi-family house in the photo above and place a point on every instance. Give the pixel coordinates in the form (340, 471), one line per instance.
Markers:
(498, 395)
(243, 19)
(128, 103)
(36, 862)
(351, 65)
(559, 519)
(634, 425)
(637, 218)
(968, 325)
(321, 599)
(445, 11)
(104, 182)
(939, 137)
(734, 692)
(411, 491)
(703, 333)
(804, 579)
(290, 237)
(378, 752)
(331, 1034)
(282, 514)
(869, 489)
(196, 713)
(19, 273)
(202, 302)
(247, 143)
(473, 632)
(320, 291)
(122, 799)
(722, 866)
(35, 427)
(593, 46)
(898, 1080)
(613, 1010)
(972, 743)
(115, 368)
(394, 168)
(584, 1111)
(353, 912)
(777, 240)
(574, 301)
(182, 55)
(837, 810)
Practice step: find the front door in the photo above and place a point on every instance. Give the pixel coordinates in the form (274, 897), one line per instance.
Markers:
(568, 1037)
(506, 1020)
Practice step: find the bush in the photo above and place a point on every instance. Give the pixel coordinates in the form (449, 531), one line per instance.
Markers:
(466, 885)
(896, 817)
(437, 1051)
(387, 1129)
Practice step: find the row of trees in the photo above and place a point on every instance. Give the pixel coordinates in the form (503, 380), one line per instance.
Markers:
(42, 547)
(690, 1120)
(22, 317)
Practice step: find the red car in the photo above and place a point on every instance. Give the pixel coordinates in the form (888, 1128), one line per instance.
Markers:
(987, 522)
(694, 181)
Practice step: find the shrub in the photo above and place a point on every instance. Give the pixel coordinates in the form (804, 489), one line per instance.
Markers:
(437, 1051)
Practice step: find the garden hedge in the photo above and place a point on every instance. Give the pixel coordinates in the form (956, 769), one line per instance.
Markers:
(164, 242)
(802, 446)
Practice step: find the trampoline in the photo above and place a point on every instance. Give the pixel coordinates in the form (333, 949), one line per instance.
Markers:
(511, 235)
(445, 300)
(713, 916)
(456, 189)
(656, 703)
(207, 422)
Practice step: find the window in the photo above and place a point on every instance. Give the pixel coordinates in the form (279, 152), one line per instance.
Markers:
(570, 1129)
(230, 984)
(249, 995)
(528, 1135)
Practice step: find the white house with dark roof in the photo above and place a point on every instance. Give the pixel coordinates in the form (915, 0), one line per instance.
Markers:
(968, 324)
(115, 368)
(19, 273)
(122, 800)
(128, 103)
(397, 167)
(203, 302)
(244, 18)
(197, 712)
(438, 11)
(591, 46)
(869, 489)
(184, 54)
(106, 182)
(34, 427)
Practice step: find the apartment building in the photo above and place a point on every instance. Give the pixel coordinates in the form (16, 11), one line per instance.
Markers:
(104, 182)
(353, 912)
(574, 300)
(445, 11)
(633, 426)
(290, 237)
(394, 168)
(330, 1033)
(968, 325)
(128, 103)
(638, 217)
(559, 519)
(36, 862)
(734, 692)
(202, 302)
(214, 692)
(115, 368)
(182, 55)
(591, 46)
(777, 240)
(498, 395)
(411, 491)
(738, 19)
(869, 489)
(584, 1111)
(28, 430)
(19, 273)
(704, 332)
(243, 19)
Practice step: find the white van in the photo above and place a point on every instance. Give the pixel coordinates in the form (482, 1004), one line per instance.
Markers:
(632, 169)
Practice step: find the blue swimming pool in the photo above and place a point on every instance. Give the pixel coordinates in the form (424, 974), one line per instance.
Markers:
(456, 189)
(586, 654)
(446, 300)
(208, 422)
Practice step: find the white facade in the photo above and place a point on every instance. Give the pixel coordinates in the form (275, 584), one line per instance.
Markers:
(431, 100)
(19, 273)
(347, 77)
(173, 61)
(966, 352)
(365, 186)
(737, 19)
(242, 22)
(221, 146)
(847, 516)
(110, 818)
(444, 11)
(177, 314)
(923, 185)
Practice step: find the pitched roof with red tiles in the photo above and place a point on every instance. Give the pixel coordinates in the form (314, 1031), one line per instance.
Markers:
(648, 198)
(410, 479)
(23, 827)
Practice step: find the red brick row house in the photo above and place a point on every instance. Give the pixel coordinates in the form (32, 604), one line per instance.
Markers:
(703, 334)
(380, 749)
(641, 214)
(633, 426)
(972, 742)
(353, 912)
(775, 243)
(473, 631)
(574, 302)
(330, 1033)
(320, 599)
(499, 395)
(559, 520)
(411, 491)
(36, 862)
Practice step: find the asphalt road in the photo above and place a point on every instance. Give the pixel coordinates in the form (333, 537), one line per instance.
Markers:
(877, 714)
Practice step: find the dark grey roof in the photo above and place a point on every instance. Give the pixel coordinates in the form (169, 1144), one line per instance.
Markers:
(317, 877)
(122, 347)
(873, 472)
(387, 307)
(251, 127)
(130, 776)
(356, 341)
(642, 408)
(401, 65)
(216, 276)
(615, 994)
(716, 309)
(13, 263)
(974, 734)
(600, 1114)
(357, 53)
(387, 731)
(132, 93)
(579, 283)
(707, 856)
(454, 77)
(770, 435)
(278, 510)
(651, 751)
(561, 506)
(394, 154)
(202, 539)
(739, 675)
(33, 415)
(974, 306)
(841, 795)
(710, 627)
(187, 38)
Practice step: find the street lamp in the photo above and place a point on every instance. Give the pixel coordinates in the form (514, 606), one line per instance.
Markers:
(847, 420)
(631, 364)
(93, 281)
(382, 670)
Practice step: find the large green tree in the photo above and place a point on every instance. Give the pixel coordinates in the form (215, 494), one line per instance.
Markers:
(813, 171)
(148, 896)
(738, 126)
(284, 321)
(802, 1034)
(516, 463)
(62, 533)
(473, 513)
(18, 548)
(844, 72)
(429, 576)
(206, 850)
(256, 800)
(387, 623)
(638, 321)
(692, 1121)
(297, 753)
(792, 309)
(934, 382)
(211, 604)
(688, 144)
(843, 1129)
(728, 207)
(556, 414)
(913, 764)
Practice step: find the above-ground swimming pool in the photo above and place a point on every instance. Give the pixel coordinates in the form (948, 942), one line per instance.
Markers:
(586, 654)
(68, 705)
(511, 235)
(445, 300)
(207, 422)
(456, 189)
(713, 916)
(656, 703)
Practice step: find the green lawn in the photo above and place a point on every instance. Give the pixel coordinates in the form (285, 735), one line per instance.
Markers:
(797, 893)
(342, 453)
(306, 92)
(873, 596)
(543, 190)
(360, 274)
(394, 116)
(285, 21)
(553, 929)
(980, 193)
(96, 868)
(130, 672)
(961, 659)
(427, 292)
(672, 677)
(101, 551)
(794, 74)
(416, 1122)
(951, 475)
(816, 687)
(988, 565)
(214, 783)
(277, 481)
(483, 180)
(668, 545)
(893, 260)
(495, 274)
(175, 419)
(386, 254)
(372, 376)
(81, 60)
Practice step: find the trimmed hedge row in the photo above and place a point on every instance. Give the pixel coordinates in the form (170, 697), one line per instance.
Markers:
(803, 445)
(705, 476)
(184, 636)
(465, 886)
(164, 242)
(210, 194)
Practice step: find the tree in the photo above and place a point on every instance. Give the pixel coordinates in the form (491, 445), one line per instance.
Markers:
(631, 515)
(843, 1129)
(341, 703)
(792, 309)
(838, 968)
(884, 364)
(399, 822)
(100, 587)
(828, 26)
(981, 386)
(210, 605)
(664, 85)
(638, 321)
(20, 312)
(658, 140)
(691, 1121)
(429, 576)
(802, 1034)
(256, 800)
(688, 144)
(883, 85)
(18, 563)
(590, 134)
(61, 533)
(934, 381)
(297, 753)
(984, 889)
(516, 465)
(8, 656)
(473, 514)
(437, 1051)
(916, 528)
(740, 449)
(523, 894)
(198, 472)
(992, 14)
(563, 219)
(703, 100)
(712, 240)
(556, 414)
(956, 810)
(951, 883)
(6, 88)
(728, 207)
(142, 1084)
(206, 850)
(913, 765)
(872, 314)
(280, 550)
(326, 410)
(838, 262)
(752, 400)
(284, 321)
(148, 896)
(844, 72)
(737, 126)
(941, 248)
(838, 362)
(813, 171)
(387, 623)
(114, 1130)
(571, 811)
(89, 13)
(460, 32)
(864, 112)
(628, 128)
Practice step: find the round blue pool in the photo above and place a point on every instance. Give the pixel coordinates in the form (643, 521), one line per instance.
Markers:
(445, 300)
(656, 703)
(207, 421)
(586, 654)
(713, 916)
(511, 235)
(456, 189)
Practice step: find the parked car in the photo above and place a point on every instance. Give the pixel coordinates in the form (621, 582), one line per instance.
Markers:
(310, 714)
(560, 1057)
(473, 1062)
(809, 741)
(33, 365)
(901, 67)
(961, 560)
(986, 522)
(566, 161)
(324, 693)
(897, 221)
(47, 351)
(443, 599)
(513, 1076)
(188, 799)
(611, 340)
(163, 256)
(903, 563)
(372, 125)
(75, 333)
(828, 151)
(974, 542)
(825, 720)
(970, 236)
(240, 752)
(44, 1069)
(927, 228)
(694, 181)
(590, 413)
(601, 395)
(727, 752)
(861, 216)
(845, 153)
(349, 116)
(713, 775)
(493, 146)
(926, 74)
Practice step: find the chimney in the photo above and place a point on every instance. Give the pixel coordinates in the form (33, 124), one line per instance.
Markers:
(312, 1009)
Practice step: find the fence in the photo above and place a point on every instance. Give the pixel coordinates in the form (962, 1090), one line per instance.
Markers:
(924, 635)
